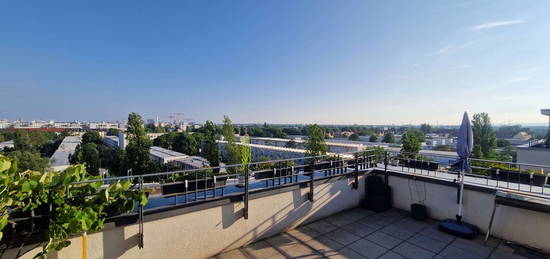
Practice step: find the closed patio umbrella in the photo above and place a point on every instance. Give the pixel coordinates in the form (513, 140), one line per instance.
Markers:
(464, 148)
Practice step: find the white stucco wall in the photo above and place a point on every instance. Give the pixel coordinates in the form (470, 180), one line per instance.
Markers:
(207, 232)
(518, 225)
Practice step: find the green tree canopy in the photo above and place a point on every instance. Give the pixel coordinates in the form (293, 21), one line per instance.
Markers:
(90, 156)
(389, 138)
(91, 137)
(232, 152)
(22, 141)
(484, 138)
(410, 142)
(210, 149)
(186, 143)
(113, 132)
(137, 150)
(426, 128)
(29, 160)
(373, 138)
(354, 137)
(315, 143)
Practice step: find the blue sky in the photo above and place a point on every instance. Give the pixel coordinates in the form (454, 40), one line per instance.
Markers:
(344, 62)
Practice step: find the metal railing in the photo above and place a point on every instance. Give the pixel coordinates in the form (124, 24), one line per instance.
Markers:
(528, 178)
(181, 187)
(185, 187)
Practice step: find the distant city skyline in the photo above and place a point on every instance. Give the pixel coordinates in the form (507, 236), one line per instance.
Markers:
(278, 62)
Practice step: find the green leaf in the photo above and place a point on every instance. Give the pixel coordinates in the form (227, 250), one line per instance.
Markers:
(26, 187)
(5, 163)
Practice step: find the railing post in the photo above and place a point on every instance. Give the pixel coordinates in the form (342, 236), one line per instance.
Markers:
(140, 244)
(386, 177)
(356, 174)
(311, 175)
(246, 176)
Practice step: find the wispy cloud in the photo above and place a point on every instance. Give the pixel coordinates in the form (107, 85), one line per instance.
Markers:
(461, 67)
(452, 48)
(521, 78)
(491, 25)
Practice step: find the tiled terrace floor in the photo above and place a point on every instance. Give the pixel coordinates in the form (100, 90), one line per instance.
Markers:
(360, 233)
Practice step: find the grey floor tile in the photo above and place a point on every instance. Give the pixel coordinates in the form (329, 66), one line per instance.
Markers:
(411, 251)
(452, 252)
(373, 222)
(367, 248)
(384, 220)
(353, 215)
(363, 211)
(322, 226)
(343, 237)
(434, 233)
(300, 250)
(384, 239)
(324, 245)
(504, 251)
(281, 241)
(474, 246)
(304, 233)
(233, 254)
(262, 250)
(339, 220)
(398, 232)
(391, 255)
(427, 243)
(359, 229)
(346, 253)
(411, 224)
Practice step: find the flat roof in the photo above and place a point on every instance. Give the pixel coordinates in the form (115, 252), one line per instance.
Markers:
(165, 153)
(66, 148)
(545, 112)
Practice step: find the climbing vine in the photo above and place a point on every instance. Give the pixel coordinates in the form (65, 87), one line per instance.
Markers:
(71, 209)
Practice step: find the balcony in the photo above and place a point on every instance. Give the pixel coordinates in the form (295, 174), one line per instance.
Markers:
(360, 233)
(318, 209)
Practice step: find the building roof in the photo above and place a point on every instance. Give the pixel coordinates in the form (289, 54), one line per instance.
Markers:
(66, 148)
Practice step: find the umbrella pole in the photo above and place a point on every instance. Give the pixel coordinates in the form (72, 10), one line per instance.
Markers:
(461, 193)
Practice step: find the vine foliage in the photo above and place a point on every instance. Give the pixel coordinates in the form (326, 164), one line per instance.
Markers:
(71, 208)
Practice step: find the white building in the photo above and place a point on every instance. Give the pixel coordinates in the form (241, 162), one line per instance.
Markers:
(60, 159)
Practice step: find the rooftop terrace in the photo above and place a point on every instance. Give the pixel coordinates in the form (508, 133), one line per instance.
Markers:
(360, 233)
(297, 209)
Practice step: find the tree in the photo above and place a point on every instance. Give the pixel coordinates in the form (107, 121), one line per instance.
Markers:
(373, 138)
(186, 143)
(410, 142)
(419, 134)
(245, 153)
(354, 137)
(91, 137)
(503, 143)
(166, 140)
(90, 157)
(210, 149)
(389, 138)
(426, 128)
(137, 151)
(484, 137)
(113, 132)
(315, 144)
(22, 141)
(232, 152)
(29, 160)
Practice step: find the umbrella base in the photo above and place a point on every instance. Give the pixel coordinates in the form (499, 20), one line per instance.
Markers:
(458, 228)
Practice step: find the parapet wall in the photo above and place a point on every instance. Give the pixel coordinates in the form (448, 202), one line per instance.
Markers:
(515, 224)
(212, 229)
